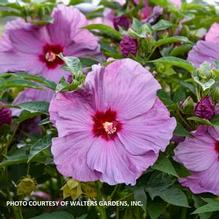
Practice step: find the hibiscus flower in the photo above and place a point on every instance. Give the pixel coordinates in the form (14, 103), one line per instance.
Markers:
(113, 128)
(206, 50)
(35, 49)
(200, 154)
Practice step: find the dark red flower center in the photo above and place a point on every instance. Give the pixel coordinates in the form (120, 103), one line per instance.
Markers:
(217, 146)
(50, 55)
(106, 124)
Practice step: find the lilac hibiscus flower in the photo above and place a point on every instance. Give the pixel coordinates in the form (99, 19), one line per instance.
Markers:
(206, 50)
(112, 128)
(200, 155)
(35, 49)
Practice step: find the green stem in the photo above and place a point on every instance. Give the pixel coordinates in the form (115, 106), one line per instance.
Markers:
(101, 209)
(16, 209)
(17, 212)
(114, 191)
(183, 213)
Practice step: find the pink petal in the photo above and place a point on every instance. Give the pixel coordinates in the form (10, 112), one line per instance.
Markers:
(26, 39)
(71, 113)
(197, 153)
(115, 164)
(125, 86)
(204, 51)
(205, 181)
(213, 33)
(70, 156)
(150, 131)
(214, 132)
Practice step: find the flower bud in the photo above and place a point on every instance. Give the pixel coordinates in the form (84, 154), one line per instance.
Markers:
(205, 108)
(72, 189)
(121, 21)
(128, 46)
(26, 186)
(89, 190)
(5, 115)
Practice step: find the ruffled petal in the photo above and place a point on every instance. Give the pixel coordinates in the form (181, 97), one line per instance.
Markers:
(214, 132)
(124, 86)
(25, 38)
(197, 153)
(70, 112)
(70, 156)
(67, 31)
(204, 181)
(115, 165)
(204, 51)
(150, 131)
(213, 33)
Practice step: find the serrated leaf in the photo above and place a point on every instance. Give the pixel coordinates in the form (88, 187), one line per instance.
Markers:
(171, 40)
(72, 64)
(181, 131)
(155, 208)
(140, 195)
(106, 30)
(18, 83)
(163, 186)
(162, 25)
(39, 146)
(210, 207)
(28, 80)
(215, 121)
(17, 157)
(200, 120)
(35, 107)
(174, 61)
(163, 164)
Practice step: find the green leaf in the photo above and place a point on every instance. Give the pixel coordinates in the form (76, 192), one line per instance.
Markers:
(165, 98)
(162, 25)
(163, 164)
(39, 146)
(210, 207)
(35, 107)
(16, 157)
(181, 131)
(140, 195)
(72, 64)
(215, 121)
(174, 61)
(171, 40)
(139, 30)
(54, 215)
(37, 78)
(27, 80)
(18, 83)
(106, 30)
(200, 120)
(25, 115)
(111, 4)
(162, 3)
(204, 84)
(198, 202)
(163, 186)
(155, 208)
(181, 50)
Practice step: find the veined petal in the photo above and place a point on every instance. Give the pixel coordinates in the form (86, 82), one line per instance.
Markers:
(70, 156)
